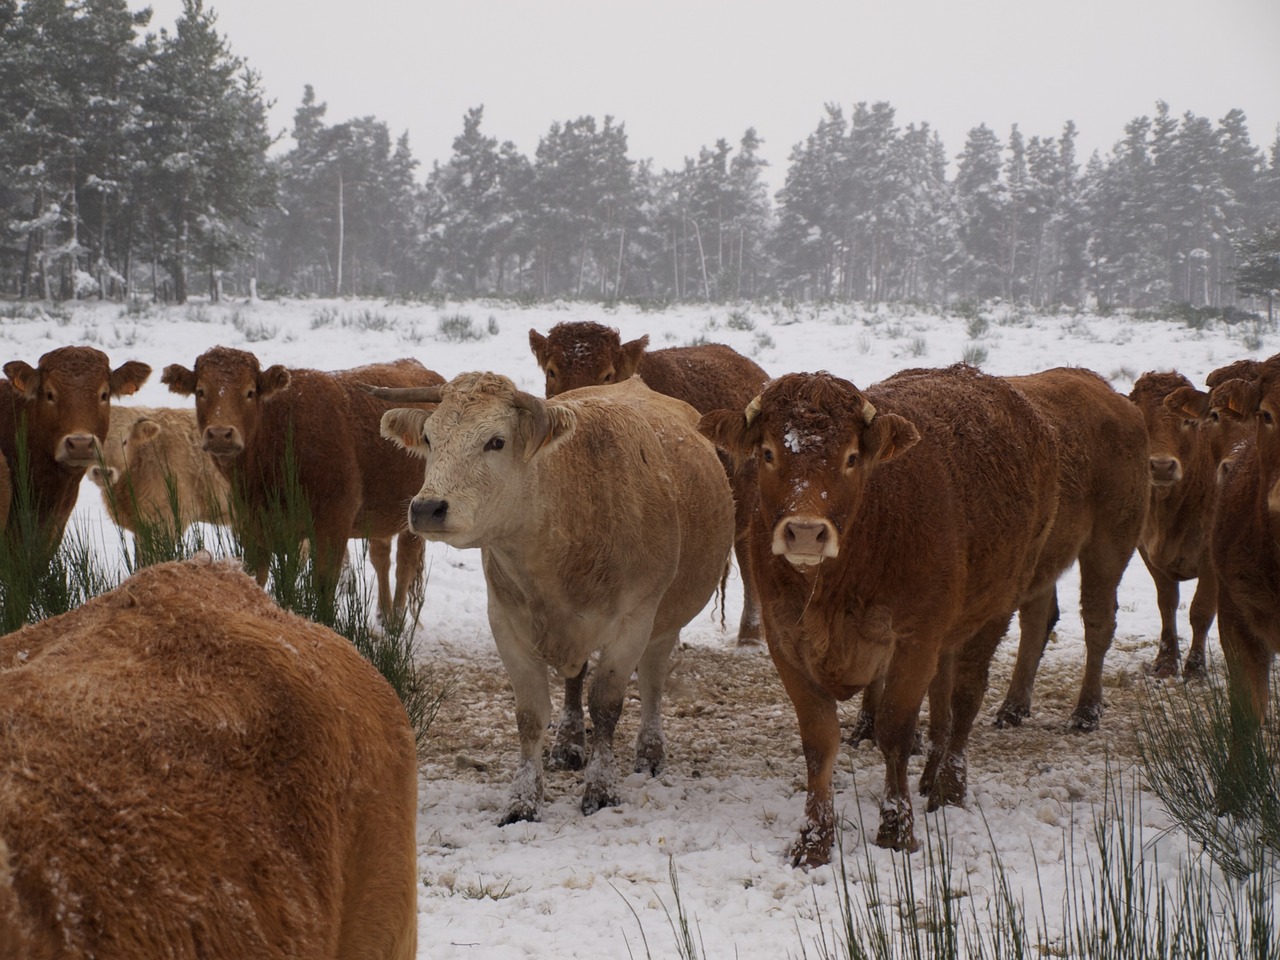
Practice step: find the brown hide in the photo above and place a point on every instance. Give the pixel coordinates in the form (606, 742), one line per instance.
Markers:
(604, 522)
(64, 405)
(708, 377)
(1246, 556)
(356, 485)
(188, 771)
(915, 511)
(1175, 536)
(1103, 488)
(153, 467)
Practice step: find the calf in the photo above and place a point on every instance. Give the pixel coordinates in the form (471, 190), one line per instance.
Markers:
(59, 411)
(1103, 488)
(154, 473)
(188, 771)
(709, 376)
(893, 535)
(604, 523)
(1246, 555)
(260, 425)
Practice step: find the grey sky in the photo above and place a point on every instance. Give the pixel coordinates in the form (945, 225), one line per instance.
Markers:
(682, 73)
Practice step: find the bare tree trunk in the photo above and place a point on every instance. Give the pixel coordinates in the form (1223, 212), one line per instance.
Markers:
(702, 259)
(342, 228)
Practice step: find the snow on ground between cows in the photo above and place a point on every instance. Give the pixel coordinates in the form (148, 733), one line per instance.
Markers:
(730, 800)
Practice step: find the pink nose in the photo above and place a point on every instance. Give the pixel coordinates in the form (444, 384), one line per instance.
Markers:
(1165, 470)
(808, 537)
(79, 447)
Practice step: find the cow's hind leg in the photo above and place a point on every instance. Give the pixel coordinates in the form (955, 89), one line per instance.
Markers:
(380, 560)
(654, 666)
(569, 750)
(609, 682)
(411, 553)
(1036, 620)
(1101, 567)
(1204, 606)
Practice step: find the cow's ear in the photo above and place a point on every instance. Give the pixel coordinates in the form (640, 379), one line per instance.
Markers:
(24, 377)
(128, 377)
(1238, 398)
(144, 431)
(404, 426)
(1188, 402)
(273, 380)
(538, 344)
(630, 355)
(179, 379)
(889, 436)
(732, 432)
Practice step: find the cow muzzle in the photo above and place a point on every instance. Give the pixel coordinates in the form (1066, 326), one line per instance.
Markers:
(222, 441)
(104, 476)
(428, 516)
(805, 541)
(1165, 471)
(78, 450)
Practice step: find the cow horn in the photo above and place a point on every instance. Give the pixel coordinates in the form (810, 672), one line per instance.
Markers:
(868, 411)
(753, 410)
(404, 394)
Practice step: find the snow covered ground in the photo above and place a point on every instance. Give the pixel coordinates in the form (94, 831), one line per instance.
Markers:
(730, 801)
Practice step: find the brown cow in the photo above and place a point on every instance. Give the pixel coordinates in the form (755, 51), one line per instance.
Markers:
(1175, 537)
(708, 377)
(188, 771)
(1103, 488)
(894, 534)
(154, 473)
(62, 407)
(1246, 555)
(604, 522)
(355, 485)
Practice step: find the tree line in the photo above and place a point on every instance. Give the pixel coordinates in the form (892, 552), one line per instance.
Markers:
(140, 164)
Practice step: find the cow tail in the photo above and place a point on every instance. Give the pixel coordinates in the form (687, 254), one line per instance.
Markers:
(723, 589)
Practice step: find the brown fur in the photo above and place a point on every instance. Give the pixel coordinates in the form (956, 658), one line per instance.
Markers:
(1175, 537)
(1246, 553)
(188, 771)
(708, 377)
(936, 510)
(65, 404)
(356, 485)
(1103, 488)
(604, 522)
(153, 467)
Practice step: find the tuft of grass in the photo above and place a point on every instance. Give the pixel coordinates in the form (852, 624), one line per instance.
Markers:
(458, 328)
(253, 332)
(974, 354)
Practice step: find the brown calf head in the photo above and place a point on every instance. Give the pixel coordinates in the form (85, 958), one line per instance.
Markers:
(1256, 403)
(128, 437)
(584, 354)
(817, 438)
(1176, 439)
(67, 400)
(230, 388)
(477, 445)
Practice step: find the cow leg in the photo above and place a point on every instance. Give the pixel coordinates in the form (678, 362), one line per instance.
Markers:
(905, 685)
(533, 711)
(411, 555)
(1036, 620)
(940, 721)
(327, 557)
(569, 750)
(608, 688)
(380, 559)
(820, 740)
(971, 670)
(1101, 567)
(749, 628)
(652, 673)
(1248, 680)
(864, 725)
(1204, 605)
(1167, 657)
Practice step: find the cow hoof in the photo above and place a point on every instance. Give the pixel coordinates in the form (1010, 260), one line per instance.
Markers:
(595, 800)
(1196, 668)
(1086, 719)
(1163, 667)
(897, 831)
(864, 728)
(567, 756)
(520, 814)
(1011, 715)
(813, 847)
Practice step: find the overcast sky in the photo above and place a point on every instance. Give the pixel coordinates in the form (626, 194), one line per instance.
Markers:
(681, 74)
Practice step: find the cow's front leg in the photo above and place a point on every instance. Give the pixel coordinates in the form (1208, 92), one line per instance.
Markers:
(533, 711)
(906, 681)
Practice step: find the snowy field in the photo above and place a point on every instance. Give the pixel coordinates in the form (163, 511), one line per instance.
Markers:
(730, 801)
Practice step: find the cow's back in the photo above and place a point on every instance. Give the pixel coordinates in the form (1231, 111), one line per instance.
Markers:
(189, 771)
(709, 376)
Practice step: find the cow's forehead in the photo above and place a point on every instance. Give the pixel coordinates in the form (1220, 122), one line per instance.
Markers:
(75, 363)
(226, 365)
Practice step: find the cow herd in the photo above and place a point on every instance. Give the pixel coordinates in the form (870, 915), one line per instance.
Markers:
(255, 772)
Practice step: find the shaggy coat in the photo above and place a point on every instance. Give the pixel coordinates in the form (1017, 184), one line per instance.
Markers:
(708, 377)
(188, 771)
(895, 533)
(356, 486)
(1103, 487)
(63, 407)
(1175, 538)
(1246, 551)
(604, 522)
(155, 474)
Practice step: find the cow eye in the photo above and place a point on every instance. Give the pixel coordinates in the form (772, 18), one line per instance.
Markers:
(1214, 416)
(767, 454)
(49, 396)
(495, 443)
(1188, 423)
(1266, 417)
(551, 374)
(249, 393)
(608, 377)
(199, 393)
(105, 396)
(851, 460)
